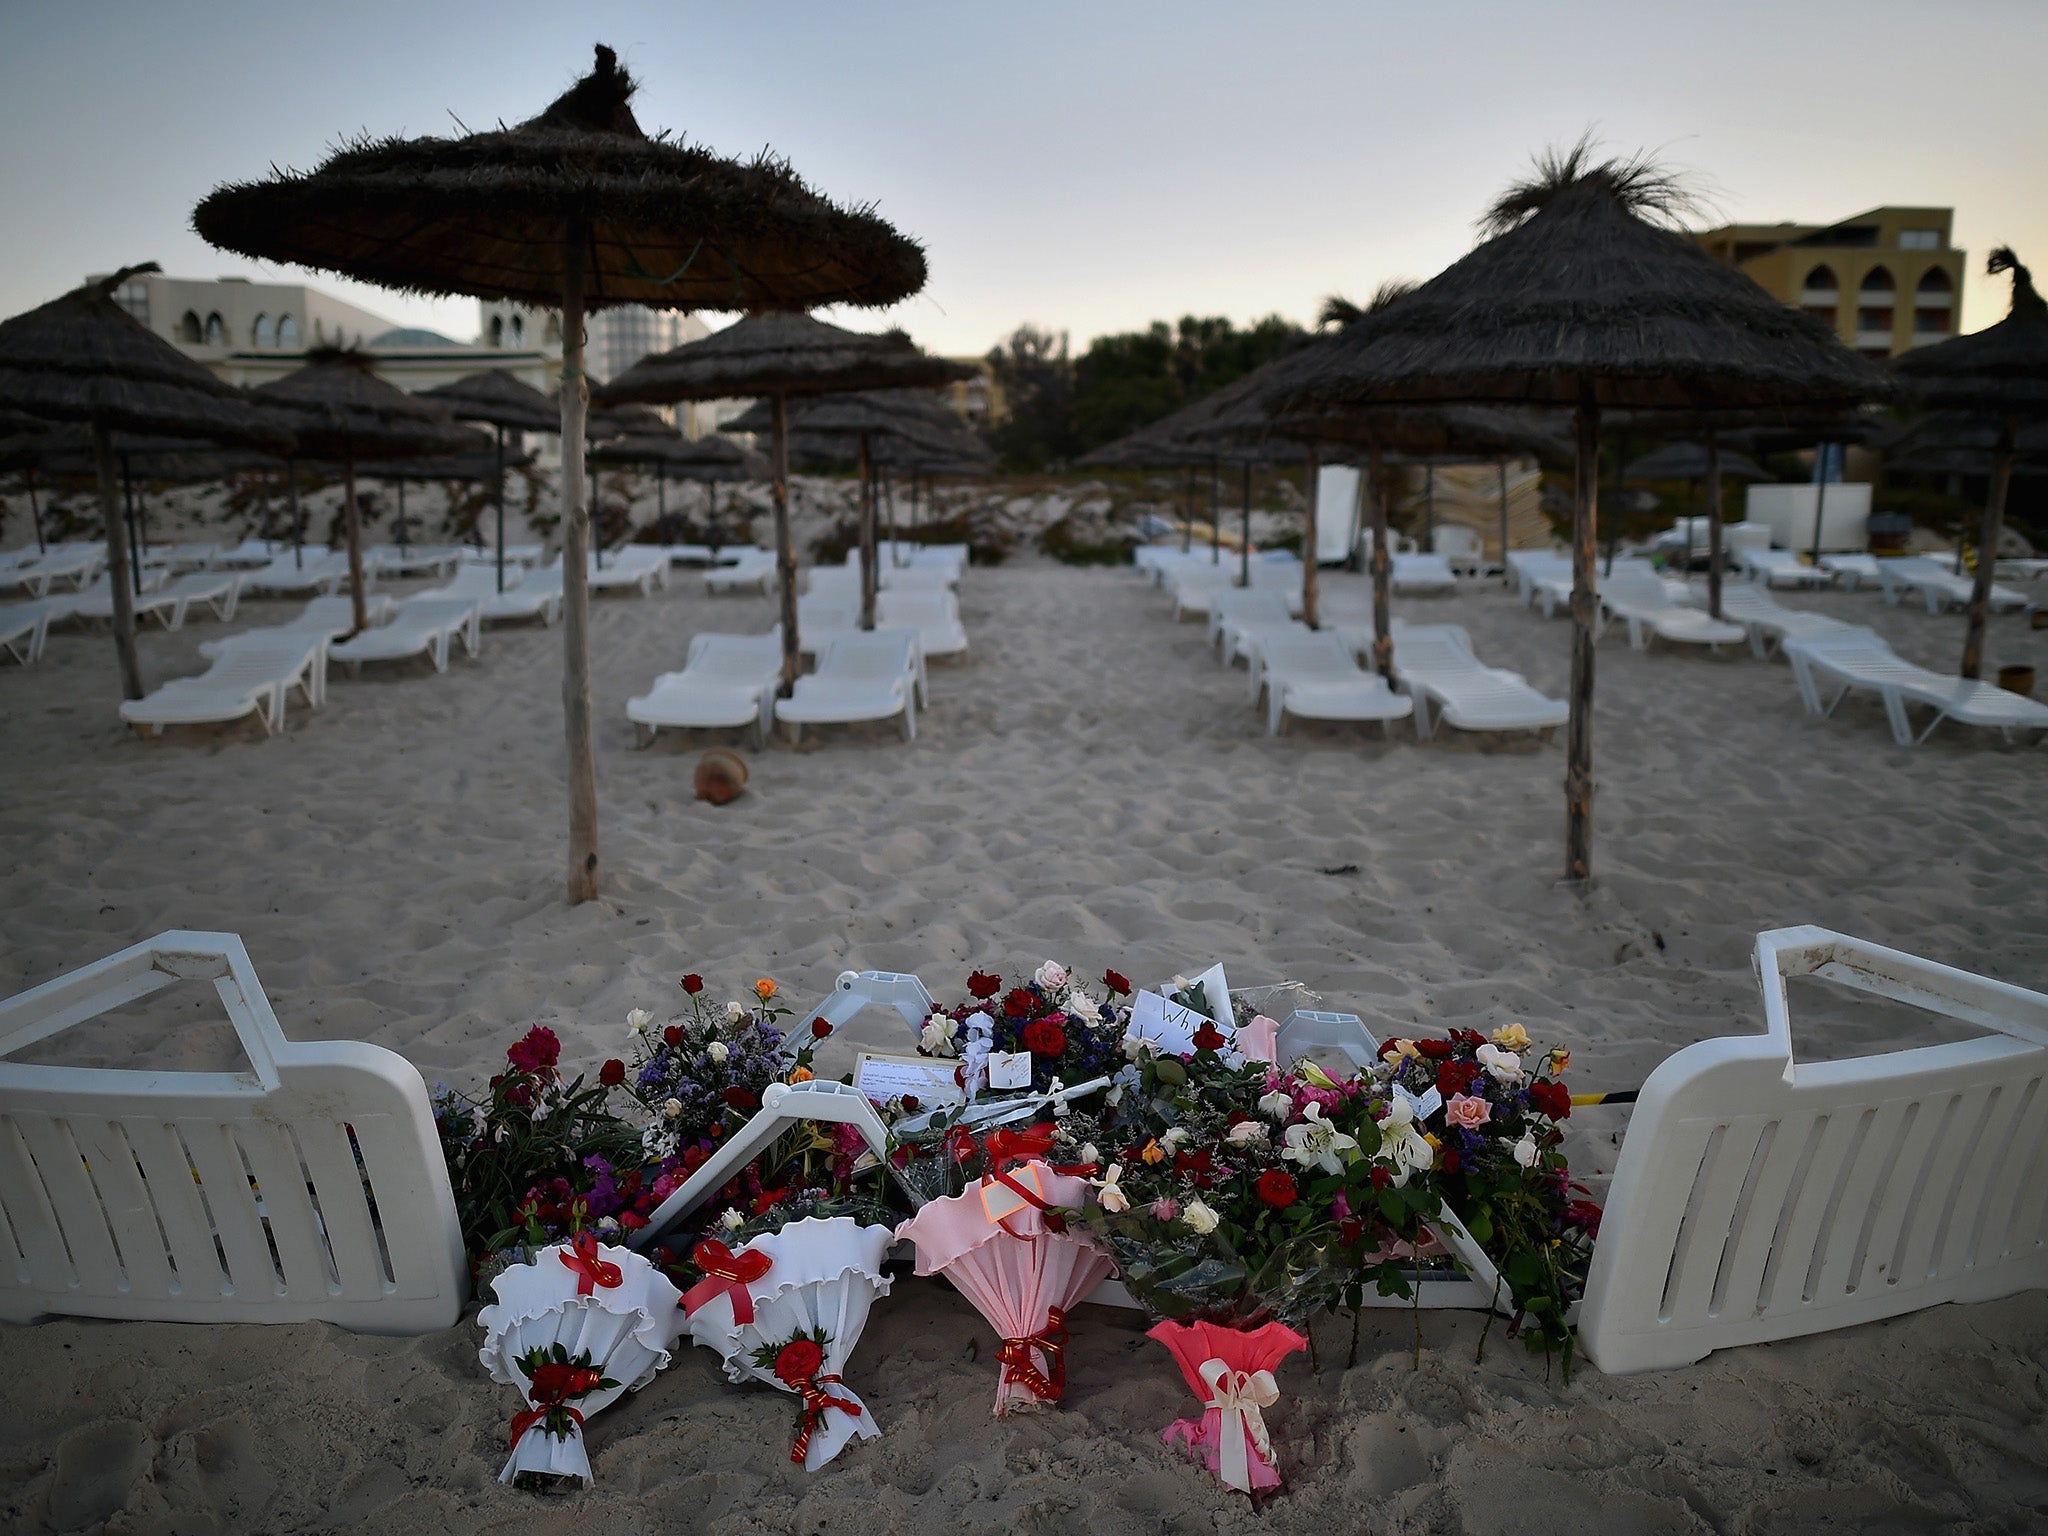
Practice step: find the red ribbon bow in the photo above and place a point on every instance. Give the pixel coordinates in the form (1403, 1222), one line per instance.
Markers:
(1050, 1341)
(726, 1273)
(816, 1400)
(1018, 1146)
(552, 1388)
(591, 1271)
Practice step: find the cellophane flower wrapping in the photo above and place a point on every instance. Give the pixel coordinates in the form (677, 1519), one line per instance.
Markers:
(626, 1329)
(1231, 1438)
(1016, 1271)
(823, 1274)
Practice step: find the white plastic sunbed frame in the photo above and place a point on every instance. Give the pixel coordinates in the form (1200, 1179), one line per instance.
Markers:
(727, 680)
(1435, 664)
(1939, 586)
(1316, 677)
(866, 676)
(1780, 567)
(24, 628)
(753, 568)
(308, 1188)
(1756, 1198)
(253, 676)
(1769, 622)
(1641, 601)
(422, 626)
(1857, 660)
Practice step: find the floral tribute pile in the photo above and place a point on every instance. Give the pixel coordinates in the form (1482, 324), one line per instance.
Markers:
(1098, 1133)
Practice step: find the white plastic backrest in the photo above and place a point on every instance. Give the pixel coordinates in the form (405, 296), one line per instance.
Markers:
(855, 990)
(311, 1188)
(782, 1105)
(1755, 1199)
(875, 654)
(1319, 655)
(1309, 1029)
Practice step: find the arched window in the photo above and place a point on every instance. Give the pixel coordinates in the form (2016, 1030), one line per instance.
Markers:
(287, 333)
(518, 330)
(216, 330)
(1821, 295)
(1934, 305)
(189, 330)
(262, 334)
(1874, 297)
(497, 330)
(553, 334)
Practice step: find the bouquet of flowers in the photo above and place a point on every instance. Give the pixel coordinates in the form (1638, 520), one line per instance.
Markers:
(1063, 1033)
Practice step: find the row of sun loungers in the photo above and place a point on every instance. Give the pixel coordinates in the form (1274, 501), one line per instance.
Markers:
(730, 680)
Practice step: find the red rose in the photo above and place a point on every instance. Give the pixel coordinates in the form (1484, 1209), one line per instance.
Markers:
(767, 1198)
(1469, 1038)
(557, 1382)
(519, 1094)
(1456, 1076)
(1276, 1188)
(1117, 983)
(632, 1221)
(798, 1360)
(739, 1098)
(673, 1034)
(693, 1158)
(1435, 1050)
(537, 1051)
(912, 1102)
(1020, 1004)
(1235, 1118)
(1552, 1099)
(612, 1073)
(820, 1029)
(1197, 1165)
(693, 984)
(1381, 1178)
(1209, 1037)
(1451, 1160)
(1041, 1037)
(983, 985)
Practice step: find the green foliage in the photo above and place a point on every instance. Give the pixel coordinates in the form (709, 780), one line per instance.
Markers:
(1068, 541)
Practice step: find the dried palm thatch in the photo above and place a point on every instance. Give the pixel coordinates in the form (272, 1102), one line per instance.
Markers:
(657, 221)
(83, 359)
(629, 421)
(496, 398)
(577, 207)
(2000, 373)
(1957, 443)
(1688, 461)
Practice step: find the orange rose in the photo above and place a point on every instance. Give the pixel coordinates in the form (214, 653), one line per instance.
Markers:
(764, 989)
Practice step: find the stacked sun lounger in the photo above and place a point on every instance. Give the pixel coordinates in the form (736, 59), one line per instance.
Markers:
(298, 573)
(426, 625)
(867, 676)
(727, 680)
(253, 677)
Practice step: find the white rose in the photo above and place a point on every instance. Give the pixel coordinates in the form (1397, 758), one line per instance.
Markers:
(1179, 984)
(1083, 1007)
(1114, 1096)
(638, 1020)
(1276, 1104)
(734, 1013)
(1525, 1152)
(731, 1219)
(938, 1035)
(1247, 1133)
(1200, 1219)
(717, 1050)
(608, 1224)
(1502, 1066)
(1111, 1194)
(1174, 1137)
(1136, 1047)
(673, 1109)
(1051, 976)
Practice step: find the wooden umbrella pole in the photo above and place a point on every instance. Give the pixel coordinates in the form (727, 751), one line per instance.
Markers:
(1382, 565)
(359, 610)
(1244, 531)
(1820, 500)
(865, 470)
(1311, 537)
(117, 561)
(404, 531)
(785, 546)
(291, 482)
(1714, 553)
(35, 509)
(1187, 526)
(1507, 577)
(501, 507)
(1987, 548)
(1429, 506)
(1215, 510)
(128, 513)
(1578, 776)
(1613, 523)
(887, 492)
(582, 882)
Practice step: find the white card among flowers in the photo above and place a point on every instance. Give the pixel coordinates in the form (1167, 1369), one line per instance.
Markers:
(1170, 1027)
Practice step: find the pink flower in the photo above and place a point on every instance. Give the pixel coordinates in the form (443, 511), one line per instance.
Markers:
(1164, 1209)
(1467, 1112)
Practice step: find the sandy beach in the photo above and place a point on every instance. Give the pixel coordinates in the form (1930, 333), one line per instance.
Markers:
(1087, 785)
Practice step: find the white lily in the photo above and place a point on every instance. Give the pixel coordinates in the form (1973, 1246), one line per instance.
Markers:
(1313, 1142)
(1502, 1066)
(1276, 1104)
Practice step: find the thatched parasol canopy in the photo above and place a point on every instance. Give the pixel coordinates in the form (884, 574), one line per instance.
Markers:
(656, 221)
(1688, 461)
(1957, 443)
(2001, 374)
(784, 354)
(629, 420)
(496, 398)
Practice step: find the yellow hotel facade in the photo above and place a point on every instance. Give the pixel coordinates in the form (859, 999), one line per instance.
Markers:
(1886, 280)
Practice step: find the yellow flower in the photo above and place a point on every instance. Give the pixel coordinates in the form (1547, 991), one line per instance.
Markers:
(1153, 1153)
(1406, 1048)
(800, 1075)
(1556, 1062)
(1317, 1075)
(1435, 1144)
(764, 989)
(1511, 1037)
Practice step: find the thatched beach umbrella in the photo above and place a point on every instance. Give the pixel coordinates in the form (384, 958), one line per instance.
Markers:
(84, 359)
(709, 460)
(2000, 373)
(341, 411)
(497, 399)
(782, 356)
(1695, 463)
(577, 207)
(1583, 297)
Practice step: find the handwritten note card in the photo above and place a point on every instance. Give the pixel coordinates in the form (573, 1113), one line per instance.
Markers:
(928, 1079)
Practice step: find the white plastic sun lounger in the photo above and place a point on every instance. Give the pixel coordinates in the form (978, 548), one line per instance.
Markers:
(313, 571)
(307, 1187)
(1938, 585)
(1422, 573)
(250, 554)
(727, 680)
(253, 676)
(1434, 664)
(1642, 602)
(24, 627)
(527, 594)
(1757, 1197)
(218, 591)
(1769, 622)
(96, 603)
(934, 613)
(643, 566)
(414, 559)
(1236, 610)
(1856, 660)
(1195, 588)
(421, 626)
(1529, 566)
(1317, 678)
(62, 565)
(823, 618)
(1851, 570)
(915, 578)
(754, 568)
(870, 676)
(1782, 568)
